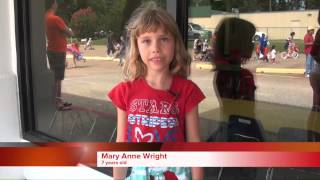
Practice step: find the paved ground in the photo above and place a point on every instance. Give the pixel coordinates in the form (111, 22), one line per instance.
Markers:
(93, 116)
(100, 51)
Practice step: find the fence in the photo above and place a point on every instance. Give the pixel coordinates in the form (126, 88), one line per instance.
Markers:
(274, 33)
(280, 33)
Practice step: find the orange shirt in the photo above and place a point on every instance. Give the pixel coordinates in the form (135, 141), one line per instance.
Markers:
(55, 29)
(266, 51)
(258, 48)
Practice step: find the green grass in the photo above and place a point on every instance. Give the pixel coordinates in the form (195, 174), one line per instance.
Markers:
(95, 42)
(102, 41)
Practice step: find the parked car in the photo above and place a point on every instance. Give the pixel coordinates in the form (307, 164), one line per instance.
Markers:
(196, 31)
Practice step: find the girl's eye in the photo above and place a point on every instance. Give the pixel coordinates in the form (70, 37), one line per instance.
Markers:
(164, 39)
(145, 41)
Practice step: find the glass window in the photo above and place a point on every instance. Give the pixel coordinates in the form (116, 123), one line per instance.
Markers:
(283, 98)
(259, 89)
(72, 106)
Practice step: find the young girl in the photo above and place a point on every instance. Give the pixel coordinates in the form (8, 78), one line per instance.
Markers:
(234, 47)
(77, 55)
(234, 84)
(265, 54)
(258, 51)
(273, 54)
(156, 102)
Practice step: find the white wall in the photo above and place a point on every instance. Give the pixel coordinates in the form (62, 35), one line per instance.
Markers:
(9, 112)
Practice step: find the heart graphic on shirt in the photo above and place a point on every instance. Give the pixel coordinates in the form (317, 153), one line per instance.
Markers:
(148, 137)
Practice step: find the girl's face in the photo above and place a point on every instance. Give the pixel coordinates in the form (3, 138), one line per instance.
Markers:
(156, 50)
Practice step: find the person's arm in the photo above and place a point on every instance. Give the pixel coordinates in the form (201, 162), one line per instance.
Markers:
(63, 28)
(119, 173)
(193, 135)
(68, 31)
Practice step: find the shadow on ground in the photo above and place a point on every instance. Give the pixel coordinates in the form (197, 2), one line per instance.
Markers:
(89, 120)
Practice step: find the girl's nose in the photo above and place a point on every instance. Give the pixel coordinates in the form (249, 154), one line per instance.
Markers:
(156, 47)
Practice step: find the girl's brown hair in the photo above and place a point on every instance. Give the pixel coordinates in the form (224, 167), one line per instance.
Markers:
(149, 18)
(234, 40)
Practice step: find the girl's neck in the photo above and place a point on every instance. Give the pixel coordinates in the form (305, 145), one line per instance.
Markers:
(161, 81)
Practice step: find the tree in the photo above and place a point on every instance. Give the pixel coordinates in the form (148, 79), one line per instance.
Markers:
(66, 9)
(83, 22)
(242, 5)
(110, 15)
(261, 5)
(130, 6)
(312, 4)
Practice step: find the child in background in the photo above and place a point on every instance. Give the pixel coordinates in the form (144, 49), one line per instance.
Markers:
(89, 45)
(197, 48)
(117, 47)
(156, 67)
(265, 54)
(75, 51)
(258, 51)
(273, 54)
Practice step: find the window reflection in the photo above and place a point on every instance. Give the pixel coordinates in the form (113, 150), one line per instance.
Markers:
(281, 110)
(92, 40)
(283, 94)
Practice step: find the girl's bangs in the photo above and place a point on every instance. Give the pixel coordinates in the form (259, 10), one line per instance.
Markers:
(150, 24)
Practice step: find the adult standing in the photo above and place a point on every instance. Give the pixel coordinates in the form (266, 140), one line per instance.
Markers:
(314, 123)
(308, 42)
(110, 44)
(57, 32)
(122, 50)
(263, 44)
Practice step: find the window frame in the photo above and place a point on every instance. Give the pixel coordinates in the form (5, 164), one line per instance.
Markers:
(23, 49)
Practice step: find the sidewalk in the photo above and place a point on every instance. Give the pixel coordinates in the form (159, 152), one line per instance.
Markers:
(288, 66)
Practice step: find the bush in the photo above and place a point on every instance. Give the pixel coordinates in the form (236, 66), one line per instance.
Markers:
(84, 22)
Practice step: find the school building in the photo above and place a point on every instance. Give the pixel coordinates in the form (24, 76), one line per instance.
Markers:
(277, 25)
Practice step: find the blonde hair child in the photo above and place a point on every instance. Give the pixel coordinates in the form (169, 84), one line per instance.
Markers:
(156, 102)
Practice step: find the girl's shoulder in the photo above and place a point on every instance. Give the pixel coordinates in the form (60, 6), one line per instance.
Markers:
(130, 84)
(182, 80)
(184, 84)
(124, 88)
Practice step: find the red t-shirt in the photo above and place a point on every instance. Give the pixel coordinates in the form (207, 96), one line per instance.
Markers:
(156, 115)
(75, 47)
(55, 29)
(308, 38)
(236, 84)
